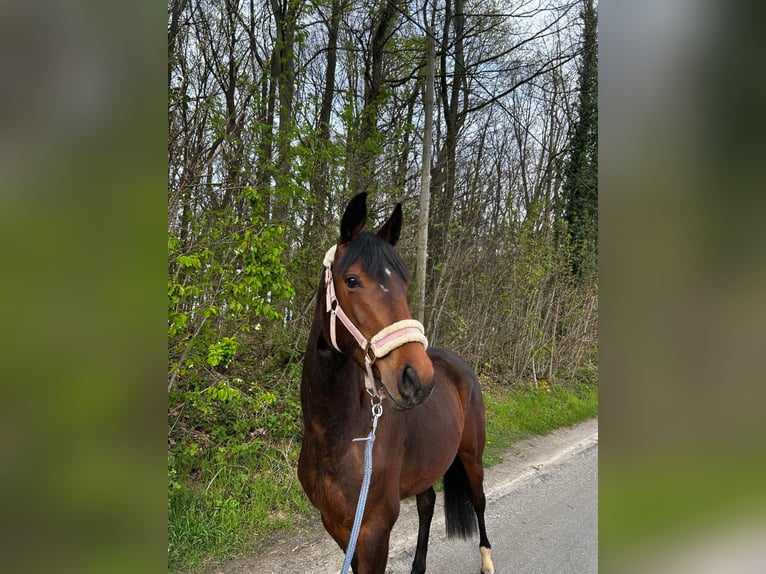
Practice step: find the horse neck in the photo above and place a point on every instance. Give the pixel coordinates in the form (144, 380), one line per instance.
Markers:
(332, 385)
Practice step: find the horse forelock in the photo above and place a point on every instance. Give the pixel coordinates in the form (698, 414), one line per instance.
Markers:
(377, 256)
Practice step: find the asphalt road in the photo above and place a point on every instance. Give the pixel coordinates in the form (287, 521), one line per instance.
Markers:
(547, 523)
(542, 504)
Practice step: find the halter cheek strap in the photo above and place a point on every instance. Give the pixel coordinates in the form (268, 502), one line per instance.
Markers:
(382, 343)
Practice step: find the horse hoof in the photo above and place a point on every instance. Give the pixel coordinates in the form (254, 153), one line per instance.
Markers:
(486, 561)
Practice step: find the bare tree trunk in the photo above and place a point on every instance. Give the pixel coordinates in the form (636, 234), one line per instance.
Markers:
(362, 169)
(451, 96)
(319, 181)
(425, 180)
(283, 60)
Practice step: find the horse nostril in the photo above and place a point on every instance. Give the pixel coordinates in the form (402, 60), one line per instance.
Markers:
(410, 383)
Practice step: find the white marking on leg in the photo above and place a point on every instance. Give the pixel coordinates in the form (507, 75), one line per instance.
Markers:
(486, 561)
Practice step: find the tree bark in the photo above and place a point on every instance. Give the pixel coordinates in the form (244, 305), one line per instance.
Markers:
(319, 180)
(362, 169)
(425, 181)
(283, 72)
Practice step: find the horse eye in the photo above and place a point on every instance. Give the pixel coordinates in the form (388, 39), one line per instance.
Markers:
(352, 281)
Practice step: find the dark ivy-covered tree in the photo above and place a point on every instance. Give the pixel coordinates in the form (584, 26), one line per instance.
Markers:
(580, 191)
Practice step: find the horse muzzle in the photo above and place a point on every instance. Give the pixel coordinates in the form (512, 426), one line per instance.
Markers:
(410, 389)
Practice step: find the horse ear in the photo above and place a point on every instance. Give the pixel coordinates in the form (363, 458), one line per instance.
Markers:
(354, 218)
(392, 228)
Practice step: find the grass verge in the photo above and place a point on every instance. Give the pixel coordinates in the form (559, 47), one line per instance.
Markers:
(231, 509)
(226, 511)
(514, 413)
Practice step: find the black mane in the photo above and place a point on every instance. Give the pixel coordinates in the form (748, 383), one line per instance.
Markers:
(376, 255)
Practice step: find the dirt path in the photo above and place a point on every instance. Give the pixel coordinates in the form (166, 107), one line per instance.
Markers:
(312, 551)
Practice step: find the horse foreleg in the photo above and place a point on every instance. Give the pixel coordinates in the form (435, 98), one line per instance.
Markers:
(339, 533)
(425, 503)
(372, 548)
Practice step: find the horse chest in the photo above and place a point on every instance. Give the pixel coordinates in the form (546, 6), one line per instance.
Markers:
(331, 476)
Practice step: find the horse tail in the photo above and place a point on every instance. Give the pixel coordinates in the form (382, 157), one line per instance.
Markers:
(458, 510)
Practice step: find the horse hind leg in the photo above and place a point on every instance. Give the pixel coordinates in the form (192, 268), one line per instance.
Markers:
(475, 475)
(484, 546)
(425, 503)
(463, 483)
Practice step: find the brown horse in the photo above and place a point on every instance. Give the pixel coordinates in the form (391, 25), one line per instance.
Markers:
(364, 286)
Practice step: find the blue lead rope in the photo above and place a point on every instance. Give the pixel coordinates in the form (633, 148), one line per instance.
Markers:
(377, 410)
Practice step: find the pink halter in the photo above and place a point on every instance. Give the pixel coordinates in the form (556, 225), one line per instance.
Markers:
(381, 344)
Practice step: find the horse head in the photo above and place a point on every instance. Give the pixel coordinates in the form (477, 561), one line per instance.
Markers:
(366, 286)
